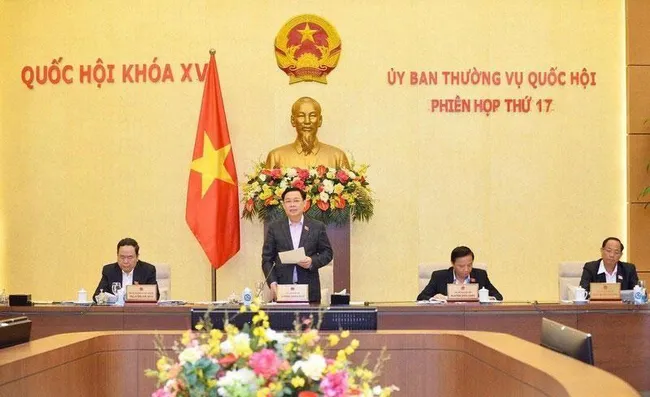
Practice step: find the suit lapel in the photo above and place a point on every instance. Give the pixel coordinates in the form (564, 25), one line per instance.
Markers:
(284, 226)
(304, 233)
(137, 270)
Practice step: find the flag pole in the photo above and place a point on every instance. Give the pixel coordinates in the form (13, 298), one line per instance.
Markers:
(214, 284)
(212, 210)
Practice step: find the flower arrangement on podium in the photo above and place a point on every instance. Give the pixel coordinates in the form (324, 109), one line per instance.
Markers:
(334, 196)
(260, 362)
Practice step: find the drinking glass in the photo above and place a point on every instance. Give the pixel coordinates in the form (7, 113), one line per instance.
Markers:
(116, 286)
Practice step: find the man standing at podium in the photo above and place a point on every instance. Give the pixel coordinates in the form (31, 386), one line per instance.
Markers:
(289, 234)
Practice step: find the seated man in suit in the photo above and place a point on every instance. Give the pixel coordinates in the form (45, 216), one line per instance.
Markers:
(288, 234)
(609, 269)
(460, 272)
(128, 270)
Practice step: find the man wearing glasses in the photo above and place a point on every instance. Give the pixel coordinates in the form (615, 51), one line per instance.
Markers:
(288, 234)
(609, 269)
(128, 270)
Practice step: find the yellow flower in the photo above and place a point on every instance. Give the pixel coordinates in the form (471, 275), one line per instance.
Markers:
(354, 344)
(288, 347)
(242, 309)
(297, 382)
(349, 350)
(279, 191)
(198, 326)
(338, 188)
(333, 339)
(216, 334)
(318, 350)
(308, 338)
(255, 308)
(263, 392)
(231, 329)
(341, 356)
(345, 334)
(185, 339)
(162, 364)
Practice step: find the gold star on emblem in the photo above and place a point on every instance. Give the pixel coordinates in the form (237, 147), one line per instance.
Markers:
(211, 165)
(307, 33)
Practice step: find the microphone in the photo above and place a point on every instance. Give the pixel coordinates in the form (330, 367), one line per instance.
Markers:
(259, 287)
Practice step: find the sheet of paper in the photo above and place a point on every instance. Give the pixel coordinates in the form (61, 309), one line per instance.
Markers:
(293, 256)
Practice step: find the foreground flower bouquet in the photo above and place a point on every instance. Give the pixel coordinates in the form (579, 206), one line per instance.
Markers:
(334, 196)
(258, 361)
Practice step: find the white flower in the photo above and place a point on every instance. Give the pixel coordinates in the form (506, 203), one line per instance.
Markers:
(283, 184)
(328, 186)
(235, 343)
(226, 347)
(313, 367)
(351, 174)
(280, 340)
(190, 355)
(324, 196)
(241, 341)
(276, 336)
(262, 177)
(312, 172)
(170, 385)
(291, 172)
(243, 376)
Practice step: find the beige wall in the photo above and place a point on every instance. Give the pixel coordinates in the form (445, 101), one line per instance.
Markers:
(4, 282)
(84, 166)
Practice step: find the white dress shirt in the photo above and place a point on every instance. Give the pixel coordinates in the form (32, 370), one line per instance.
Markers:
(609, 277)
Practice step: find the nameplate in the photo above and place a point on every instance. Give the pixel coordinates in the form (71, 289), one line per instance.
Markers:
(141, 293)
(462, 292)
(292, 293)
(605, 291)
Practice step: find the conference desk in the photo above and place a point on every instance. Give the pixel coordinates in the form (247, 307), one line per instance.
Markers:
(113, 363)
(621, 332)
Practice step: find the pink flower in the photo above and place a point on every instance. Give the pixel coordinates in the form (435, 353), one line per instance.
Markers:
(303, 173)
(334, 384)
(342, 176)
(299, 183)
(276, 173)
(161, 393)
(265, 363)
(321, 170)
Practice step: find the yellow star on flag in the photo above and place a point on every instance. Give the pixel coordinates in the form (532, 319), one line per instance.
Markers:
(307, 33)
(211, 164)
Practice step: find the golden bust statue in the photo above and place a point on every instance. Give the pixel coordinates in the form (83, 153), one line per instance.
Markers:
(306, 151)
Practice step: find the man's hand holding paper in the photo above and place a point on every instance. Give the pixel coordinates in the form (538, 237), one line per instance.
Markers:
(296, 256)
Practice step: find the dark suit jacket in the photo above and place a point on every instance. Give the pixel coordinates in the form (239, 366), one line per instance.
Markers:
(143, 273)
(625, 274)
(440, 279)
(317, 247)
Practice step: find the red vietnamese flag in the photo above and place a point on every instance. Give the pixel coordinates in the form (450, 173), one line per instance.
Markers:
(212, 199)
